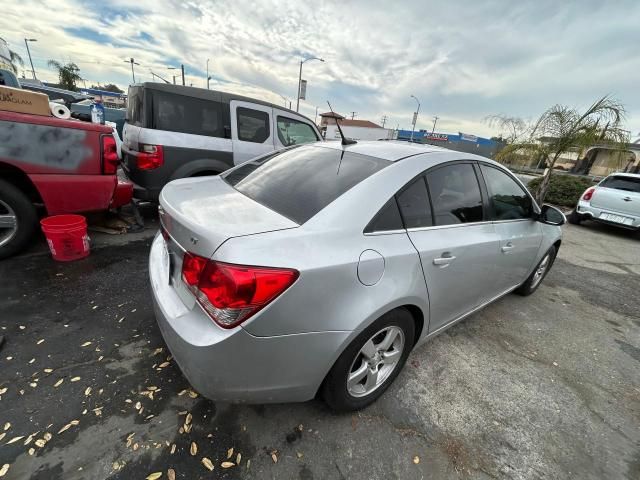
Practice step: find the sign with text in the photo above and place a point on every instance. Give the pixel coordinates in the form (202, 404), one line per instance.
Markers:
(303, 89)
(438, 137)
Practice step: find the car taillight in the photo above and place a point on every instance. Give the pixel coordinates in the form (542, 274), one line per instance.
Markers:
(231, 293)
(588, 194)
(109, 155)
(149, 156)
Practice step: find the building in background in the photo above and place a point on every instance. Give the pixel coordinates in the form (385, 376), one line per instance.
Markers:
(353, 129)
(461, 142)
(109, 99)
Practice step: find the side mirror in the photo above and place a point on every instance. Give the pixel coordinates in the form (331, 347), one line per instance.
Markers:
(552, 216)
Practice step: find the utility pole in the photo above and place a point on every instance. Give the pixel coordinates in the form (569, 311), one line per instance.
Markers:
(208, 77)
(353, 114)
(182, 68)
(315, 119)
(384, 120)
(435, 120)
(133, 73)
(26, 42)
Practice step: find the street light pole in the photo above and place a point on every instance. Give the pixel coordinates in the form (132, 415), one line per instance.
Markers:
(208, 77)
(415, 116)
(435, 120)
(182, 67)
(300, 79)
(26, 42)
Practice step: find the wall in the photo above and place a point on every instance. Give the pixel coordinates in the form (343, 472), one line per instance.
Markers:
(359, 133)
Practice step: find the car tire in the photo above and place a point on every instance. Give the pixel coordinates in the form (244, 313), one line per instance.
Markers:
(15, 203)
(532, 283)
(574, 218)
(341, 397)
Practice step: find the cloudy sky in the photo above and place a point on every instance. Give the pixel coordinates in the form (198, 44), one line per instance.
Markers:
(464, 60)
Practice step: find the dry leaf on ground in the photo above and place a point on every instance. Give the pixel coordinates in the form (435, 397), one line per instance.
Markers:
(227, 464)
(75, 379)
(15, 439)
(154, 476)
(230, 452)
(207, 463)
(85, 344)
(171, 474)
(7, 426)
(416, 459)
(194, 449)
(4, 469)
(58, 383)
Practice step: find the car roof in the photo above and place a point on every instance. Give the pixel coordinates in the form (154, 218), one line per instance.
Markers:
(392, 150)
(624, 174)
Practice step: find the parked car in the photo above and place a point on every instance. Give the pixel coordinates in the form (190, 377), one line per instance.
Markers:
(319, 268)
(172, 131)
(614, 201)
(52, 166)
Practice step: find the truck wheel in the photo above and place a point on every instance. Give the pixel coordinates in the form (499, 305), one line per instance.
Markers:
(18, 219)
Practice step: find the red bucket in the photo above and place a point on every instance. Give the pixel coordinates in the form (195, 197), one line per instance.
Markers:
(67, 236)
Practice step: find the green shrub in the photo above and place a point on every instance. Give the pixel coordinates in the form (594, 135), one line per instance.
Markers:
(564, 190)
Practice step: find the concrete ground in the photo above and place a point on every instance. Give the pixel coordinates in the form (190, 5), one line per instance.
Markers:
(540, 387)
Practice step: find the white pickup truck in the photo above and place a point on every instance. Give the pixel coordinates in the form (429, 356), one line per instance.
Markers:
(615, 201)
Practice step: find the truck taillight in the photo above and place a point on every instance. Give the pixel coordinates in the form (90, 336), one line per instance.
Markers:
(231, 293)
(109, 155)
(150, 156)
(588, 194)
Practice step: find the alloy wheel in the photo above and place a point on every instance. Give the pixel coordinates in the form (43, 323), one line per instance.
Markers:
(376, 360)
(8, 223)
(540, 271)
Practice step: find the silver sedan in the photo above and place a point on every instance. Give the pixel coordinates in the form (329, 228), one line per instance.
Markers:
(316, 270)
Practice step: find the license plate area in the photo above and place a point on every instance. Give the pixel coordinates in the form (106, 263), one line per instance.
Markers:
(610, 217)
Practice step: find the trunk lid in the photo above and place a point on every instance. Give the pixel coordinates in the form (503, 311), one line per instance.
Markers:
(615, 200)
(200, 214)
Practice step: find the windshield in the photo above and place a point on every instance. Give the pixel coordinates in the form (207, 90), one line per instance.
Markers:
(619, 182)
(299, 183)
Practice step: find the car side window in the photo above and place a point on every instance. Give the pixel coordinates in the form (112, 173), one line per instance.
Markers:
(414, 205)
(508, 200)
(295, 132)
(388, 218)
(253, 125)
(455, 194)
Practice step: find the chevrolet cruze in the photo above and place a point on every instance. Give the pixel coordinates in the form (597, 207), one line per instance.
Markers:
(317, 269)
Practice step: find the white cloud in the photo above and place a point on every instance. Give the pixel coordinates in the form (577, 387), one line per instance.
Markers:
(464, 60)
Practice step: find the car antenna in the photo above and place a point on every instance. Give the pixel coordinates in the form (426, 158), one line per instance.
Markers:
(345, 141)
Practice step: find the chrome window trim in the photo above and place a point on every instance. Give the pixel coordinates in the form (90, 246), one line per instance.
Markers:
(384, 232)
(513, 220)
(455, 225)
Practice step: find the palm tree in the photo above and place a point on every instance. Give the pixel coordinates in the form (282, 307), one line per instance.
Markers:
(569, 130)
(14, 58)
(68, 74)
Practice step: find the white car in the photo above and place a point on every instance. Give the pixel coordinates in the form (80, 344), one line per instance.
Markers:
(615, 201)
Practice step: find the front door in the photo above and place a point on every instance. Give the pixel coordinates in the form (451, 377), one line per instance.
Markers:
(251, 130)
(511, 210)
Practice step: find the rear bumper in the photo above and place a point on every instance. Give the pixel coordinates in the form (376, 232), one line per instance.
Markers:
(233, 365)
(81, 193)
(588, 212)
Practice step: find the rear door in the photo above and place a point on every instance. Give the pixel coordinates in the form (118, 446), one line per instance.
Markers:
(618, 194)
(511, 210)
(444, 215)
(251, 130)
(292, 130)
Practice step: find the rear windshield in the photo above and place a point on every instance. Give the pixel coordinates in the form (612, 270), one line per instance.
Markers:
(629, 184)
(298, 183)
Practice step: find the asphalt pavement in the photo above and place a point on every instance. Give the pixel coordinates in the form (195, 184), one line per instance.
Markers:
(545, 386)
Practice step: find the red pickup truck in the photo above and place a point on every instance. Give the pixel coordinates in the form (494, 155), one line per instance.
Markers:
(50, 166)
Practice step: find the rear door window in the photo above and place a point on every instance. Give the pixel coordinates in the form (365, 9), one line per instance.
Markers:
(388, 218)
(134, 106)
(253, 125)
(414, 205)
(184, 114)
(620, 182)
(455, 194)
(294, 132)
(300, 182)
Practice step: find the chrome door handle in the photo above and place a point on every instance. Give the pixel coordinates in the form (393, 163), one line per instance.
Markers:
(507, 248)
(444, 260)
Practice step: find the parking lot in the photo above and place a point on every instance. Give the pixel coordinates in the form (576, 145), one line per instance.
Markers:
(545, 386)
